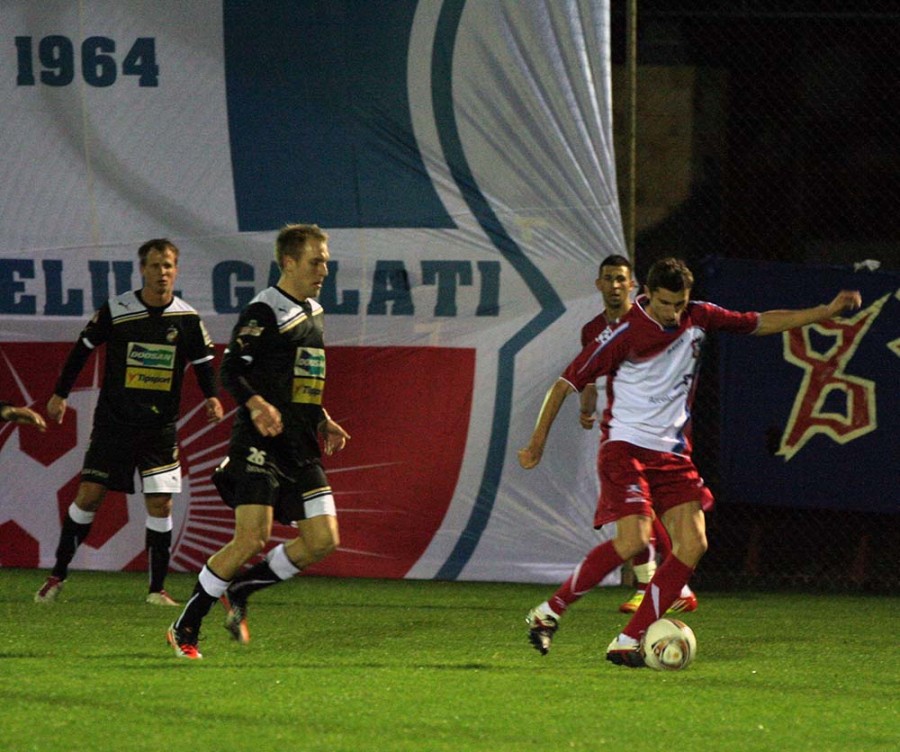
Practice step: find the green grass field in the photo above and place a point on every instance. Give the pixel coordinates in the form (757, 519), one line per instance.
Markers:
(408, 665)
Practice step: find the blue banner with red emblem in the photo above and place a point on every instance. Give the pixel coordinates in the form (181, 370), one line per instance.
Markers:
(810, 418)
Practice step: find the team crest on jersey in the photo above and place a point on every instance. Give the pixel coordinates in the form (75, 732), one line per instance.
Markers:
(172, 334)
(604, 336)
(250, 329)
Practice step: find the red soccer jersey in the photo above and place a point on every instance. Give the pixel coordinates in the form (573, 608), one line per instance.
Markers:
(591, 330)
(651, 372)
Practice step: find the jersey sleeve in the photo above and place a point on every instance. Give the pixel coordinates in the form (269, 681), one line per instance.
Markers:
(716, 318)
(95, 333)
(598, 358)
(585, 334)
(201, 354)
(202, 349)
(255, 325)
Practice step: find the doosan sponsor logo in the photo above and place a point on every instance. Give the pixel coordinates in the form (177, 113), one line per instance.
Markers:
(310, 362)
(154, 356)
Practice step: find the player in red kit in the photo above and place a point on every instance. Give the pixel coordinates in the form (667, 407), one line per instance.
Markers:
(615, 283)
(651, 359)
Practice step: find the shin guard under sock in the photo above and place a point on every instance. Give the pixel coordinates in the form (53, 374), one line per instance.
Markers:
(158, 555)
(209, 588)
(75, 528)
(661, 593)
(275, 568)
(587, 575)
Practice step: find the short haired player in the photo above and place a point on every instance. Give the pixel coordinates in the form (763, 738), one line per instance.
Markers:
(651, 359)
(274, 367)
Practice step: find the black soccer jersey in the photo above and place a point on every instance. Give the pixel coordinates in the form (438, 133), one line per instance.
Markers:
(277, 351)
(147, 351)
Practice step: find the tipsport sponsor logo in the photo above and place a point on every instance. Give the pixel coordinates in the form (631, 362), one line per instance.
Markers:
(308, 391)
(148, 378)
(143, 355)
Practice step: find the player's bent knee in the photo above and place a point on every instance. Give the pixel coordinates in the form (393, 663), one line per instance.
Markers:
(700, 546)
(320, 549)
(159, 506)
(249, 545)
(690, 551)
(322, 537)
(628, 546)
(90, 497)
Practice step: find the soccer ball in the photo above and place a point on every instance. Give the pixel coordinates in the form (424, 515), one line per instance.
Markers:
(669, 645)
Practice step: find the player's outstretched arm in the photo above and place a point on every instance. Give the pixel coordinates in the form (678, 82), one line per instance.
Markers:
(530, 455)
(23, 416)
(774, 322)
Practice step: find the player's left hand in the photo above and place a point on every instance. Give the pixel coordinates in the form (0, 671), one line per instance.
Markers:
(333, 436)
(214, 411)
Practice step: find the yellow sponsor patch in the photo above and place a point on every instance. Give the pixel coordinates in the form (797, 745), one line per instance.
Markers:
(148, 378)
(308, 391)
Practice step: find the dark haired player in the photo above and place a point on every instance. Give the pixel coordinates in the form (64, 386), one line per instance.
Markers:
(651, 359)
(615, 282)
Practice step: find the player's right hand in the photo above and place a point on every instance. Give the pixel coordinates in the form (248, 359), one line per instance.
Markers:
(56, 408)
(266, 417)
(845, 301)
(529, 457)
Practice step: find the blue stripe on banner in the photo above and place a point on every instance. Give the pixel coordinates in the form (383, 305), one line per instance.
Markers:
(319, 116)
(551, 305)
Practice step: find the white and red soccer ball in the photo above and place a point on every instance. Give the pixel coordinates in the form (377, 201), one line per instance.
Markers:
(669, 645)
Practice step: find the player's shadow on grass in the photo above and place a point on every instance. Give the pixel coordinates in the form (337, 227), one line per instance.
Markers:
(143, 661)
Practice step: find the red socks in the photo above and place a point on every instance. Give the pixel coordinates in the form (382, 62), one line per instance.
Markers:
(661, 593)
(663, 541)
(593, 568)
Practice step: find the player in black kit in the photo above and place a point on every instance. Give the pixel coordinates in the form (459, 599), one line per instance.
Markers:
(274, 367)
(150, 336)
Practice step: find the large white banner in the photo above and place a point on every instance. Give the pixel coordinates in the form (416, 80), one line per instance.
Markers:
(459, 152)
